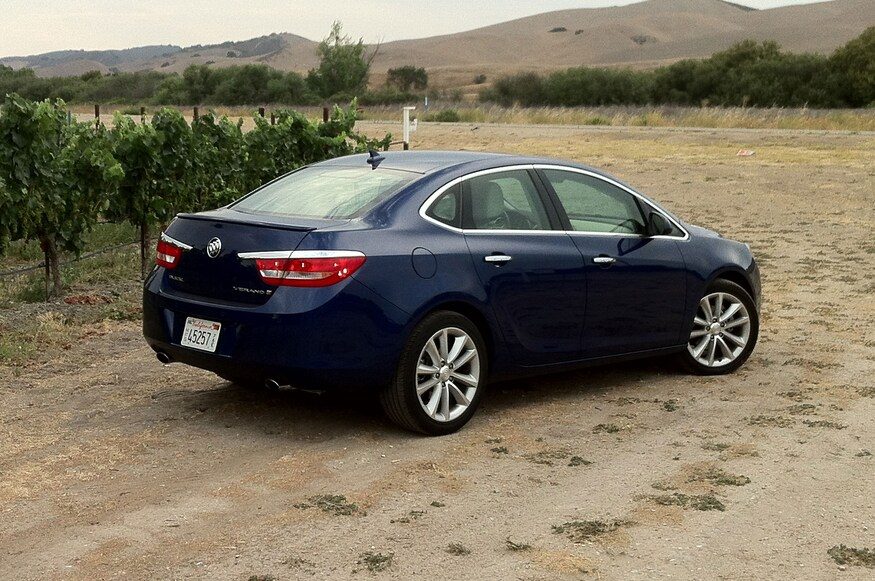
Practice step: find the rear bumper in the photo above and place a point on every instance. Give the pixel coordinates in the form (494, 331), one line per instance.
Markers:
(352, 339)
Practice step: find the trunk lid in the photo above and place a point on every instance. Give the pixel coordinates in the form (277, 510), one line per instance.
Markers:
(225, 277)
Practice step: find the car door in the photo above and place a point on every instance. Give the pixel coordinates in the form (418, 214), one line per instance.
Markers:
(636, 282)
(530, 269)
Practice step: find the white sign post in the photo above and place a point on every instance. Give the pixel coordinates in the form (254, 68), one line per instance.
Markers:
(407, 127)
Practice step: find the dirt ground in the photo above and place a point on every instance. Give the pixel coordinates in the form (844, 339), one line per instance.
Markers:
(113, 466)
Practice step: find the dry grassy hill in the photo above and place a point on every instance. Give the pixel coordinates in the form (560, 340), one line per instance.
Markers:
(645, 34)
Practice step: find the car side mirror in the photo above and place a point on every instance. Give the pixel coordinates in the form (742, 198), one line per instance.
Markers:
(658, 225)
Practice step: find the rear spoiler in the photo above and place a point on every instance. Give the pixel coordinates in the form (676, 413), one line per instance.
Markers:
(248, 222)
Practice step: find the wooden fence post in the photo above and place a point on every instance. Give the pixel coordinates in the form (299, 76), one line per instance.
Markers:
(272, 118)
(96, 114)
(324, 114)
(196, 113)
(142, 115)
(261, 112)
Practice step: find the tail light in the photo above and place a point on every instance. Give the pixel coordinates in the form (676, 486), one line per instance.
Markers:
(169, 251)
(309, 268)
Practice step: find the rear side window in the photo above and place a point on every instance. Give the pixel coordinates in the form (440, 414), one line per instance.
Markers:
(594, 205)
(505, 200)
(447, 208)
(326, 192)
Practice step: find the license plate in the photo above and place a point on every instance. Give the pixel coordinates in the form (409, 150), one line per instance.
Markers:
(200, 334)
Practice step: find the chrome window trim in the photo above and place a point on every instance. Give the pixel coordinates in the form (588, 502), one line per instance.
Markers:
(433, 197)
(296, 254)
(653, 205)
(175, 242)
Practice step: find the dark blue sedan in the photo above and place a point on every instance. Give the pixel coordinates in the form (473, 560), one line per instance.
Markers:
(424, 275)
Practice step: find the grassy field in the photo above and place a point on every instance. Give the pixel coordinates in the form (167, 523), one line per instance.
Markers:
(618, 116)
(718, 118)
(99, 288)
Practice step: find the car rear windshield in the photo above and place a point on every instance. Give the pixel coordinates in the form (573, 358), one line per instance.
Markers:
(325, 192)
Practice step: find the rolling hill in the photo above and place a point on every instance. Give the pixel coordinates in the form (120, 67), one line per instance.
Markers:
(645, 34)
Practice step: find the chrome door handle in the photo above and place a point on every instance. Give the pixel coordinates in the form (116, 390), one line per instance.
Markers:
(604, 260)
(498, 258)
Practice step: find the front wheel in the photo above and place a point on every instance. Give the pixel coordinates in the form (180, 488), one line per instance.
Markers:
(725, 330)
(440, 378)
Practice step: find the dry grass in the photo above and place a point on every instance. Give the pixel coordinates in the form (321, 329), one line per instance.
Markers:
(717, 118)
(618, 116)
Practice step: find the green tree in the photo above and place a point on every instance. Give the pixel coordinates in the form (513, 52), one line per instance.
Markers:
(58, 178)
(200, 83)
(407, 77)
(343, 66)
(171, 91)
(854, 69)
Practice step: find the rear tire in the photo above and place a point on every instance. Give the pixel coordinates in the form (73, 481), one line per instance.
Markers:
(725, 330)
(440, 378)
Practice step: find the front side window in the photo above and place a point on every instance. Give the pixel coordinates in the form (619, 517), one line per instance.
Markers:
(326, 192)
(505, 200)
(594, 205)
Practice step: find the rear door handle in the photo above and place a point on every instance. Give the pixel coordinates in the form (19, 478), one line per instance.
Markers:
(606, 260)
(498, 259)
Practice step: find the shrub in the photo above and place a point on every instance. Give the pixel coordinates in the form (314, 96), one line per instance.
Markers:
(407, 77)
(444, 116)
(747, 74)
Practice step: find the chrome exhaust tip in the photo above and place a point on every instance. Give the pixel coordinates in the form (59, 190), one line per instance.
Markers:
(164, 357)
(271, 384)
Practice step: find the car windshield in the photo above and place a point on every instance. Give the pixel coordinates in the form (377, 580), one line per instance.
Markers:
(325, 192)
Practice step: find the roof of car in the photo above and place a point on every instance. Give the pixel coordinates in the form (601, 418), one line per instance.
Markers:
(428, 161)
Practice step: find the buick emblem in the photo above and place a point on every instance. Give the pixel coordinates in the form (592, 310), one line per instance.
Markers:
(214, 247)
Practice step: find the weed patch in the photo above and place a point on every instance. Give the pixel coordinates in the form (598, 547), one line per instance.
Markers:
(458, 549)
(718, 477)
(802, 409)
(547, 457)
(795, 395)
(770, 421)
(334, 504)
(298, 563)
(575, 461)
(606, 428)
(824, 424)
(376, 562)
(670, 405)
(584, 530)
(411, 516)
(850, 556)
(514, 546)
(694, 501)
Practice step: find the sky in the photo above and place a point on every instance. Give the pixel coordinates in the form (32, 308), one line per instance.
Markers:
(36, 26)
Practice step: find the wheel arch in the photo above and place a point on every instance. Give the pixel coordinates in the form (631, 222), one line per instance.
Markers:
(470, 311)
(737, 276)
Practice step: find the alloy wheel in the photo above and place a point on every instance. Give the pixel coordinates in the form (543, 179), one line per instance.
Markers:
(721, 330)
(447, 374)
